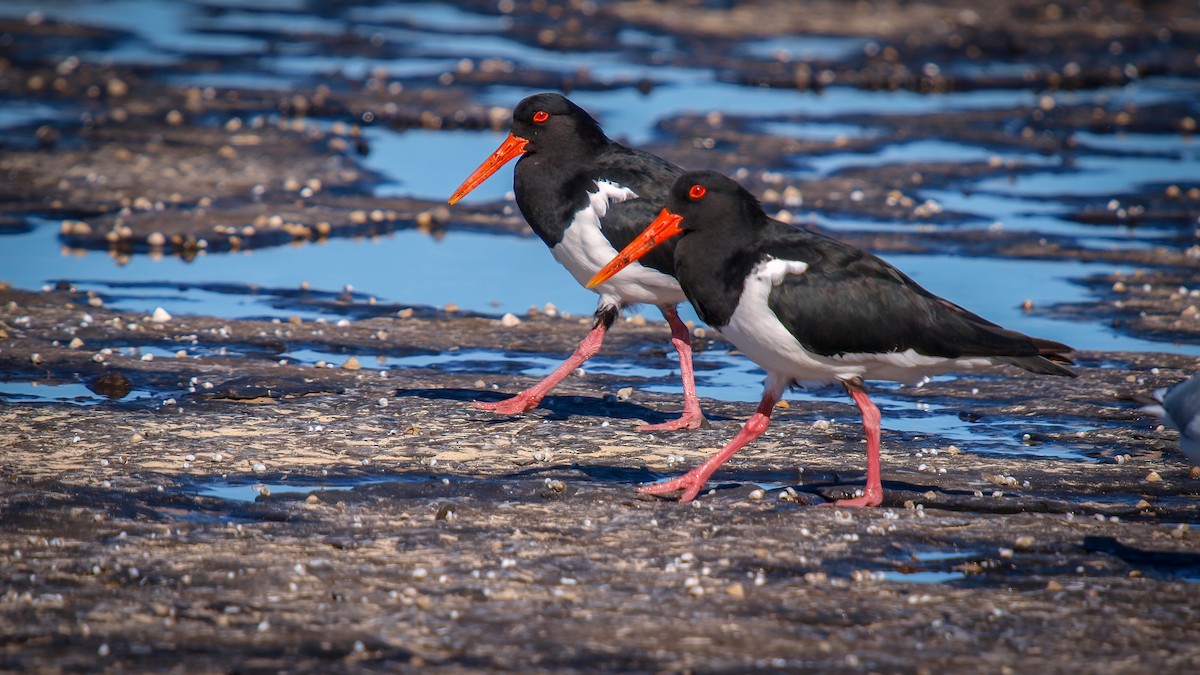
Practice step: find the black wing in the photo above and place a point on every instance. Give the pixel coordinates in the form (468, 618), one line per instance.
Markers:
(850, 301)
(651, 178)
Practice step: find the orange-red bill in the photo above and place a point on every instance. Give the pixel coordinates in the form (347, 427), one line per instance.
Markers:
(511, 147)
(665, 226)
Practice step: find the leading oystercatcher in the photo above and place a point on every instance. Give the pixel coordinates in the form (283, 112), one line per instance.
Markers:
(811, 309)
(586, 197)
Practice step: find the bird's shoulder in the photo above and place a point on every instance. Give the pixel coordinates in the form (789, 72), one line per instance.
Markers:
(645, 173)
(827, 260)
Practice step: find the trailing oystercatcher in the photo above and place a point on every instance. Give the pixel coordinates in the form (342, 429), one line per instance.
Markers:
(810, 309)
(587, 197)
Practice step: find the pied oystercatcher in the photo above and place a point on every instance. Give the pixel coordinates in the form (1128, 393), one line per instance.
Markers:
(811, 309)
(586, 197)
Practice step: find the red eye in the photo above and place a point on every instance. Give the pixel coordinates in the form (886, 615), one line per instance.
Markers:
(697, 191)
(541, 116)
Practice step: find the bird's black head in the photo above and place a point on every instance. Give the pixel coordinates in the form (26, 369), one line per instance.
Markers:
(552, 123)
(704, 203)
(543, 123)
(708, 199)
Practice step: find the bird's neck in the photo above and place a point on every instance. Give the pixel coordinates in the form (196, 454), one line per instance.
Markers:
(712, 269)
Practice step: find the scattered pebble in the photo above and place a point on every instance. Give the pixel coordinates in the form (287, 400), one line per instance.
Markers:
(160, 315)
(351, 364)
(508, 320)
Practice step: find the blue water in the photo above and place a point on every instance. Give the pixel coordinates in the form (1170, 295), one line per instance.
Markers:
(37, 391)
(817, 130)
(22, 113)
(249, 491)
(922, 577)
(498, 274)
(431, 164)
(924, 150)
(1099, 176)
(803, 47)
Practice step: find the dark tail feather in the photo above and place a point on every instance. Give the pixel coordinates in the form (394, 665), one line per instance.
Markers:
(1052, 350)
(1040, 365)
(1049, 361)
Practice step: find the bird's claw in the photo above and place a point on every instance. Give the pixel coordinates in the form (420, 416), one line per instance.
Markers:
(685, 421)
(510, 406)
(691, 486)
(868, 498)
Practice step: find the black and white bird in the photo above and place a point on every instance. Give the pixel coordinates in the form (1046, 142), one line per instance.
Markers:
(587, 197)
(810, 309)
(1179, 406)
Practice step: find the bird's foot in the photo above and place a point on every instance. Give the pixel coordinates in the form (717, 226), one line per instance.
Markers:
(691, 483)
(868, 498)
(521, 403)
(686, 421)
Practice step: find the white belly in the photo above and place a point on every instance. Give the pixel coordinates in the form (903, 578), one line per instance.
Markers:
(757, 332)
(584, 251)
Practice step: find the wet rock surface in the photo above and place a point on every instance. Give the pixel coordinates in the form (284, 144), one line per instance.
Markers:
(393, 525)
(188, 487)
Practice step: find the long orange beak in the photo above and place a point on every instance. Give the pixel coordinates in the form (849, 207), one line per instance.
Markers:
(665, 226)
(511, 147)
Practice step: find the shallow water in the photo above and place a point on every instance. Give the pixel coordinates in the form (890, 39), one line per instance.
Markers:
(431, 164)
(496, 274)
(924, 150)
(250, 490)
(922, 577)
(38, 391)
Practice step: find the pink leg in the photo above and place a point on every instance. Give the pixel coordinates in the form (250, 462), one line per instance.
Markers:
(693, 481)
(873, 494)
(692, 417)
(531, 397)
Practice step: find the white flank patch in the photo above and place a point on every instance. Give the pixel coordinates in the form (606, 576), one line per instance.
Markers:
(756, 331)
(584, 251)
